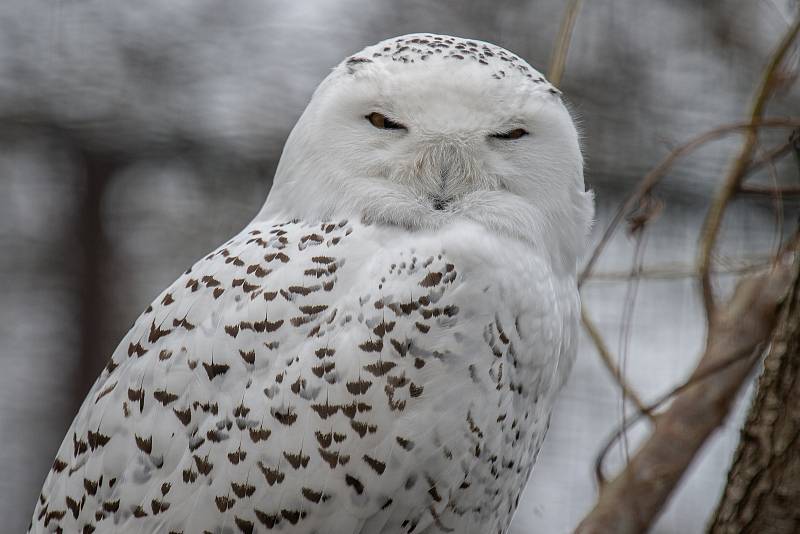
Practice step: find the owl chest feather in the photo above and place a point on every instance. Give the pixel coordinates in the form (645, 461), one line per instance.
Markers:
(324, 377)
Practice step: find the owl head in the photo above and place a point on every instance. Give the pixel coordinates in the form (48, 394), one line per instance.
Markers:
(424, 130)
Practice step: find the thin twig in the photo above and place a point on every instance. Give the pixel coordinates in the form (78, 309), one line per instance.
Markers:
(770, 190)
(778, 203)
(631, 293)
(713, 221)
(677, 271)
(608, 359)
(652, 178)
(769, 158)
(559, 59)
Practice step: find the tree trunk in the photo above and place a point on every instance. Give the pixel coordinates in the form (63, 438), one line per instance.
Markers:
(763, 490)
(99, 169)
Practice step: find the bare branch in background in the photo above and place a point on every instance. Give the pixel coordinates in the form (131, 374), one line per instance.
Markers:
(633, 500)
(654, 177)
(559, 59)
(680, 271)
(608, 360)
(733, 180)
(737, 334)
(770, 190)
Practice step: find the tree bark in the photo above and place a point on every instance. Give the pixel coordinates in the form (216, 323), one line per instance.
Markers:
(763, 490)
(99, 169)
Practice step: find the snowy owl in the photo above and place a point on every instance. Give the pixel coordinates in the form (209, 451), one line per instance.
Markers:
(380, 349)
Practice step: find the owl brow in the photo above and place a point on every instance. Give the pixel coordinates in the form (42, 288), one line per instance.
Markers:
(355, 62)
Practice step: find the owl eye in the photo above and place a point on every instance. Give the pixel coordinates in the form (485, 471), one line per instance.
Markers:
(384, 123)
(513, 134)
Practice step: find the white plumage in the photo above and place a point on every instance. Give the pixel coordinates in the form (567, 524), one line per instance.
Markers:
(379, 350)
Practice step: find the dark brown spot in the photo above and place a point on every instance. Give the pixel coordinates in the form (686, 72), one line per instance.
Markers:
(383, 327)
(185, 416)
(224, 502)
(324, 439)
(210, 281)
(158, 506)
(296, 460)
(136, 349)
(433, 491)
(215, 369)
(325, 410)
(156, 333)
(407, 444)
(262, 434)
(431, 279)
(273, 476)
(378, 466)
(401, 348)
(203, 465)
(280, 256)
(91, 485)
(232, 330)
(72, 504)
(268, 520)
(372, 346)
(380, 368)
(316, 238)
(144, 445)
(244, 525)
(164, 397)
(331, 457)
(177, 323)
(359, 387)
(189, 476)
(249, 356)
(354, 483)
(311, 495)
(301, 290)
(243, 490)
(96, 439)
(313, 310)
(111, 506)
(137, 395)
(285, 417)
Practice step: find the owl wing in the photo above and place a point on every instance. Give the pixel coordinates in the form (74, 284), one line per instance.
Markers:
(322, 378)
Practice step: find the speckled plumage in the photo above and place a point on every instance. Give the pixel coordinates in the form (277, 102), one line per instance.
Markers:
(334, 370)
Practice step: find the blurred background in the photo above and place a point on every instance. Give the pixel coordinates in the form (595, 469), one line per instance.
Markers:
(136, 136)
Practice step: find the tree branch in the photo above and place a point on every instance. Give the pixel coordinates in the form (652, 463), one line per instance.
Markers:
(608, 360)
(630, 502)
(654, 177)
(733, 181)
(559, 59)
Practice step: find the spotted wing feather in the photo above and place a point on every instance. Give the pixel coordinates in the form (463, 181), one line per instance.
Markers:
(327, 377)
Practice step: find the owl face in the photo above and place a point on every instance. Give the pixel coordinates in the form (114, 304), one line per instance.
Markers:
(446, 118)
(422, 129)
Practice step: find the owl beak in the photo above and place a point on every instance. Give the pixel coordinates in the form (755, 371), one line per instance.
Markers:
(439, 203)
(441, 199)
(445, 166)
